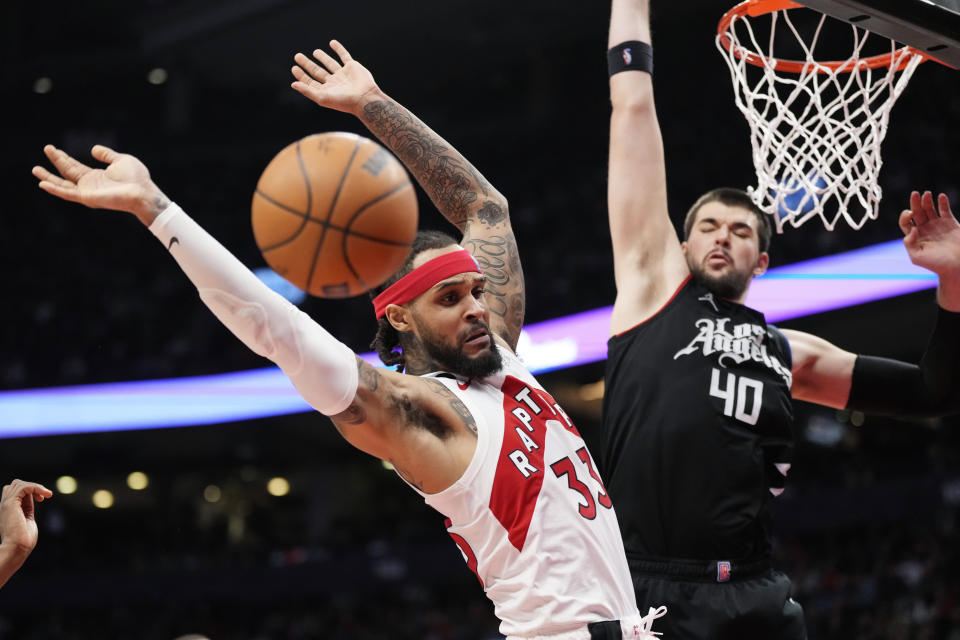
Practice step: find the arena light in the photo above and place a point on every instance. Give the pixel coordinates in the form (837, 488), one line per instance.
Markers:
(278, 487)
(42, 85)
(846, 279)
(791, 291)
(157, 76)
(137, 480)
(66, 484)
(102, 499)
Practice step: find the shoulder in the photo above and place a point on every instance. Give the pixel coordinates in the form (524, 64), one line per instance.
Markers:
(802, 345)
(629, 322)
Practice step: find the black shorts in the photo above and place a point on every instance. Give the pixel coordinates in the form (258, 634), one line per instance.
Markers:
(758, 606)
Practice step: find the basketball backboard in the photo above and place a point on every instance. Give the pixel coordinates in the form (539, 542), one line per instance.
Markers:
(932, 26)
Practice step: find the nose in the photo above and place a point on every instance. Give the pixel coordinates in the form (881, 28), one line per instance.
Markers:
(722, 236)
(475, 308)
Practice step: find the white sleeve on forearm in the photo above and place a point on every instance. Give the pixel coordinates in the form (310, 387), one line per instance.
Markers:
(323, 369)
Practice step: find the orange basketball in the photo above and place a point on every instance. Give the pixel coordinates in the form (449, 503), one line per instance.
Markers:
(335, 214)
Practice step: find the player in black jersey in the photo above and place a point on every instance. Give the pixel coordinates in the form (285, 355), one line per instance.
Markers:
(697, 431)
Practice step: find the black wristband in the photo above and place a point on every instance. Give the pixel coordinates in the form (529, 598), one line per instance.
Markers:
(889, 387)
(631, 55)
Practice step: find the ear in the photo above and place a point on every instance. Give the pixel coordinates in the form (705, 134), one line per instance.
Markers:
(683, 247)
(399, 317)
(763, 261)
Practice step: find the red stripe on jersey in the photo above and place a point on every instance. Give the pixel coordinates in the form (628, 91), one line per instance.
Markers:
(519, 475)
(561, 415)
(465, 549)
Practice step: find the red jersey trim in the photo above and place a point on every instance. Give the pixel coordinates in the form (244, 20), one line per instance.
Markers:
(466, 550)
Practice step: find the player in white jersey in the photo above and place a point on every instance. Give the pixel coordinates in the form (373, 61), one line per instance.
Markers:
(486, 446)
(531, 492)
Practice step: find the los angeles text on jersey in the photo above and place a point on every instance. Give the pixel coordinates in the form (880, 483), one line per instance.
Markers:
(738, 343)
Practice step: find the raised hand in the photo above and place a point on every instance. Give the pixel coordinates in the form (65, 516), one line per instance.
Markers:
(931, 234)
(124, 185)
(18, 527)
(332, 84)
(932, 238)
(17, 524)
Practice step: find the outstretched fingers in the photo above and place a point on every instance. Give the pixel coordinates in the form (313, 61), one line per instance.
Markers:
(924, 211)
(308, 71)
(906, 222)
(37, 490)
(944, 204)
(42, 174)
(327, 60)
(55, 185)
(341, 51)
(22, 488)
(929, 210)
(69, 168)
(104, 154)
(920, 205)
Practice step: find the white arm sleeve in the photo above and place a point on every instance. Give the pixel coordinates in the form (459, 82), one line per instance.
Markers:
(323, 369)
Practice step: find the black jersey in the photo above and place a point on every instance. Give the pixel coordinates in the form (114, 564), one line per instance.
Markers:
(697, 433)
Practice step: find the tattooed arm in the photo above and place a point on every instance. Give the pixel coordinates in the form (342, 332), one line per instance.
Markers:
(465, 198)
(417, 424)
(460, 193)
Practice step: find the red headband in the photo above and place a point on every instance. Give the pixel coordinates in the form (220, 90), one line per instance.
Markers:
(423, 277)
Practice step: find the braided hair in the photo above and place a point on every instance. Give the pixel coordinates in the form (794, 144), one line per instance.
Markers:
(388, 341)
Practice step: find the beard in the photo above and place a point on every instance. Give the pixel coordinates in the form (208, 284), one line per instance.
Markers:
(730, 285)
(453, 359)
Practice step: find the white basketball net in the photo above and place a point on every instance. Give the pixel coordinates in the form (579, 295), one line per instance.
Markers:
(815, 135)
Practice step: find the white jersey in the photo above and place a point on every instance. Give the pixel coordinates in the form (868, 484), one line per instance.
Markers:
(530, 514)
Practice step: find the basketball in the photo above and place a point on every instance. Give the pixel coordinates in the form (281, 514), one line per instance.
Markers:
(335, 214)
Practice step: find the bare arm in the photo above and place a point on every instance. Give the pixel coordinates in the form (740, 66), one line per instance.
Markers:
(822, 371)
(460, 193)
(827, 375)
(466, 199)
(648, 262)
(393, 416)
(418, 425)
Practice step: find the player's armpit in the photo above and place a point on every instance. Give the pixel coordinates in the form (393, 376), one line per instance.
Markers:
(415, 423)
(464, 419)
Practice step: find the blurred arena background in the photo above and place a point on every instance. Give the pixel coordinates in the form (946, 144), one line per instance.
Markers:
(200, 91)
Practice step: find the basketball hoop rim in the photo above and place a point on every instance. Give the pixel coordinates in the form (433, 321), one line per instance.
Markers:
(755, 8)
